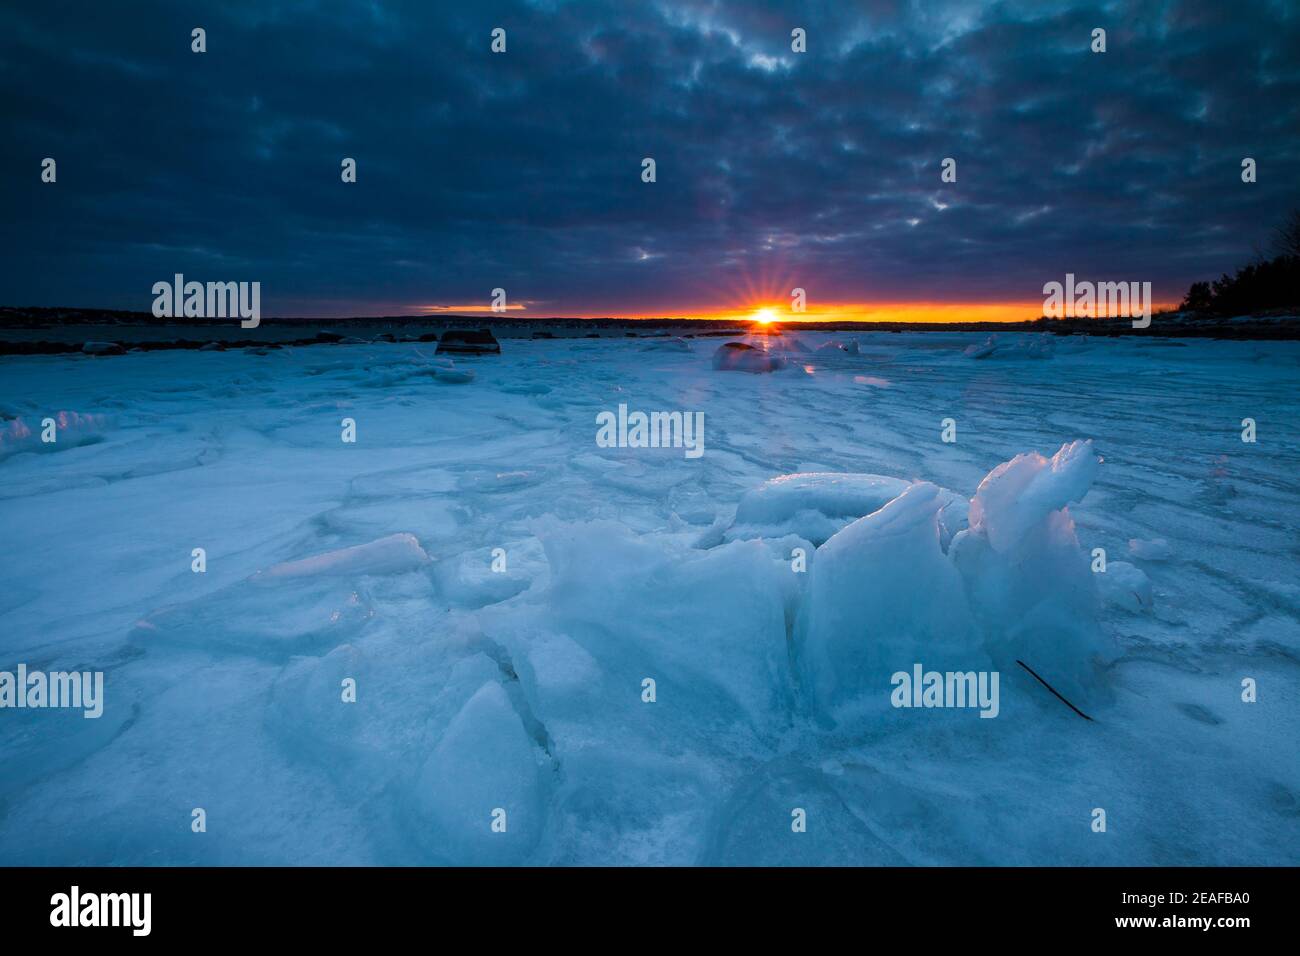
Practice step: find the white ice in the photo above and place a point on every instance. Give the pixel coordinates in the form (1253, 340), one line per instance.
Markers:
(498, 590)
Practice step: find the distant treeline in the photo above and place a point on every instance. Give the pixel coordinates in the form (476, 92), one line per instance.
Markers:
(1259, 286)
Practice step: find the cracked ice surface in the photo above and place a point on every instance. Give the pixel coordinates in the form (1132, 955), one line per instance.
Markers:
(521, 688)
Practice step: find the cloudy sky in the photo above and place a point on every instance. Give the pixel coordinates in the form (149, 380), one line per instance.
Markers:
(522, 170)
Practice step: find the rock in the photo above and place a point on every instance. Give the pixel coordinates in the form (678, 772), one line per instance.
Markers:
(469, 342)
(739, 357)
(103, 348)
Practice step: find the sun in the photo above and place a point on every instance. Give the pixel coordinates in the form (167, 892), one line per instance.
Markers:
(764, 316)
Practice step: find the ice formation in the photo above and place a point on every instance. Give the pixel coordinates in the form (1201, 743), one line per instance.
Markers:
(395, 553)
(485, 761)
(1010, 345)
(639, 658)
(731, 660)
(1124, 585)
(1016, 497)
(816, 505)
(1154, 549)
(1029, 583)
(881, 596)
(68, 430)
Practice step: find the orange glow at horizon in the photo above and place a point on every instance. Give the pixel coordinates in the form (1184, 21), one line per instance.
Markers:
(470, 309)
(937, 312)
(764, 312)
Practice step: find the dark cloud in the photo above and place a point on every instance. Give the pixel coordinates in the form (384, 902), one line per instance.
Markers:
(523, 170)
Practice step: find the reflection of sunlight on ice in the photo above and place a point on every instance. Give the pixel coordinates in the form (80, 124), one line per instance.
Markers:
(873, 380)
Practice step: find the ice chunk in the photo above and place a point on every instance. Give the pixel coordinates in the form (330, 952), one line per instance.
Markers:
(71, 429)
(1155, 549)
(1017, 495)
(881, 597)
(1126, 586)
(480, 577)
(451, 376)
(309, 712)
(1029, 584)
(485, 771)
(718, 645)
(296, 616)
(834, 494)
(391, 555)
(814, 505)
(954, 517)
(1024, 346)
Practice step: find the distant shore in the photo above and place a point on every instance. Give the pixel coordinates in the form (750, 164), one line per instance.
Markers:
(52, 331)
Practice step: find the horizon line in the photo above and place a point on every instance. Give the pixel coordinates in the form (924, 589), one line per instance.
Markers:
(929, 313)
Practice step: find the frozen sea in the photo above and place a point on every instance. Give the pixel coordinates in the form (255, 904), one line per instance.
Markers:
(497, 588)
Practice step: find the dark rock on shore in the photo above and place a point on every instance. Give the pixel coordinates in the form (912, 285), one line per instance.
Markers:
(469, 342)
(740, 357)
(103, 348)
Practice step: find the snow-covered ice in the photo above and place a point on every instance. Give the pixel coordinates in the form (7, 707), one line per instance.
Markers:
(643, 658)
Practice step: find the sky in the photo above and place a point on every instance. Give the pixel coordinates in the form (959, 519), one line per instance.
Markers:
(522, 170)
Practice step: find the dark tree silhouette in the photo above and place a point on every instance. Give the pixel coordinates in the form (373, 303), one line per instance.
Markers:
(1259, 286)
(1198, 298)
(1287, 242)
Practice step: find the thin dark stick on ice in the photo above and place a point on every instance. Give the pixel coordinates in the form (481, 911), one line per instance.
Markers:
(1053, 690)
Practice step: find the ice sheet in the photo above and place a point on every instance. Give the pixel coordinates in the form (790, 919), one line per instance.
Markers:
(500, 642)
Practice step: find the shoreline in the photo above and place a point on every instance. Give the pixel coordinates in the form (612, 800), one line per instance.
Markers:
(66, 331)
